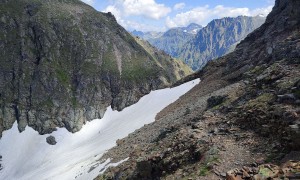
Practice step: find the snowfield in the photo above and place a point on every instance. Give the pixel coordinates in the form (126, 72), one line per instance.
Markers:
(27, 156)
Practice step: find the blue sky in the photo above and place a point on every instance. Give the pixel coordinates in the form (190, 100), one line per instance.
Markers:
(160, 15)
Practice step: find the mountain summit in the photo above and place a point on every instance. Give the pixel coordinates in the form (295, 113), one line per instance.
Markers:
(174, 39)
(193, 28)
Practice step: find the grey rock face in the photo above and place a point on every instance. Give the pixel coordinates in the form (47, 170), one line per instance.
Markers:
(62, 63)
(1, 167)
(173, 40)
(214, 101)
(51, 140)
(218, 38)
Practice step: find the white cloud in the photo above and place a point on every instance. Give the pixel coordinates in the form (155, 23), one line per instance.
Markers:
(127, 10)
(262, 11)
(90, 2)
(132, 25)
(146, 8)
(148, 15)
(179, 6)
(203, 15)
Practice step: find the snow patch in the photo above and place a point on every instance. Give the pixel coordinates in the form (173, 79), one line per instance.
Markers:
(27, 156)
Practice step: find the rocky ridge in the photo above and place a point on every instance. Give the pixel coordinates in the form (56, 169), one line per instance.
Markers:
(177, 67)
(63, 63)
(219, 130)
(147, 35)
(218, 38)
(196, 45)
(172, 40)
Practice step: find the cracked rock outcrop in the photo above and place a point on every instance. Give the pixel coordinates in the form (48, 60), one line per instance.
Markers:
(62, 63)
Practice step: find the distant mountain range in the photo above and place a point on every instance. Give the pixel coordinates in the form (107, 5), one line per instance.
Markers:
(196, 45)
(147, 35)
(218, 38)
(171, 41)
(193, 28)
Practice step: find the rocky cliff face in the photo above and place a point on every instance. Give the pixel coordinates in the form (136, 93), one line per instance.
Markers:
(244, 113)
(275, 40)
(62, 63)
(165, 61)
(218, 38)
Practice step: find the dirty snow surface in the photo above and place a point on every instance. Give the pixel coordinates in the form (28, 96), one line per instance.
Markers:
(27, 156)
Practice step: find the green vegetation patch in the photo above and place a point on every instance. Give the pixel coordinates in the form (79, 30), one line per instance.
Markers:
(138, 69)
(215, 101)
(210, 157)
(204, 170)
(109, 62)
(261, 100)
(74, 102)
(264, 171)
(63, 77)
